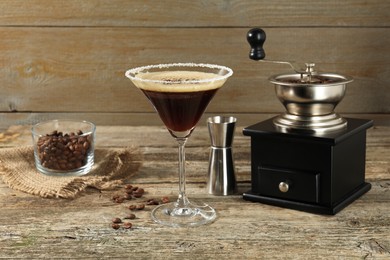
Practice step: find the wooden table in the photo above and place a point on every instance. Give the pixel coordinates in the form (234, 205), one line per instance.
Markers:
(34, 227)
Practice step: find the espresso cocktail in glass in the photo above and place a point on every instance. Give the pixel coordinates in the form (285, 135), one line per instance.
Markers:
(180, 93)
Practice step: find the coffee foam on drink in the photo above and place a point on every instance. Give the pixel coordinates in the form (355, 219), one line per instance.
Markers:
(178, 81)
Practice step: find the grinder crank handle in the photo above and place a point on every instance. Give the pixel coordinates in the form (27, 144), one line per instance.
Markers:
(256, 38)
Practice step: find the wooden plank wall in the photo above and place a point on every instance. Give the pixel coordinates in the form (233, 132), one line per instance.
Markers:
(67, 58)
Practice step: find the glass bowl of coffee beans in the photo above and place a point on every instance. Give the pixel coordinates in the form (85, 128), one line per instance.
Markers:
(64, 147)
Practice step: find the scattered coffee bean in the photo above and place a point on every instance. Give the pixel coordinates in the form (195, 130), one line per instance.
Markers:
(137, 207)
(140, 190)
(132, 207)
(65, 152)
(164, 200)
(130, 216)
(115, 226)
(152, 202)
(127, 225)
(140, 206)
(116, 220)
(119, 200)
(130, 192)
(137, 195)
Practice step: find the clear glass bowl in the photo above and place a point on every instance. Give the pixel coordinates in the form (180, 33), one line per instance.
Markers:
(64, 147)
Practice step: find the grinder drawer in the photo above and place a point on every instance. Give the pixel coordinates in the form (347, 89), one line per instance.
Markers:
(289, 184)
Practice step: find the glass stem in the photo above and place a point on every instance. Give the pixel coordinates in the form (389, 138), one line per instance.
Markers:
(182, 200)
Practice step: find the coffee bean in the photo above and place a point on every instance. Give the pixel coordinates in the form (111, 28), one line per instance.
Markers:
(116, 220)
(137, 207)
(140, 206)
(130, 216)
(120, 200)
(165, 200)
(115, 226)
(127, 225)
(132, 207)
(138, 192)
(152, 202)
(137, 195)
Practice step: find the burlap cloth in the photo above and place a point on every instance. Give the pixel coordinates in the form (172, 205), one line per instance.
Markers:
(112, 167)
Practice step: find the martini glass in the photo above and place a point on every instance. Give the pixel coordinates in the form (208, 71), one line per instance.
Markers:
(180, 93)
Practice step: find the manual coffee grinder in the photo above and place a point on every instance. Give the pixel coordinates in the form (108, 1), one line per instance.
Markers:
(309, 158)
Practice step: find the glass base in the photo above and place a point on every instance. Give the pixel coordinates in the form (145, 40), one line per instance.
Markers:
(190, 216)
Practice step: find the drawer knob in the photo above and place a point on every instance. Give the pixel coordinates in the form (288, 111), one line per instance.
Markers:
(284, 186)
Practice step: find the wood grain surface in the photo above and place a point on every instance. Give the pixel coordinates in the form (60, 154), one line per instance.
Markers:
(33, 227)
(185, 13)
(66, 59)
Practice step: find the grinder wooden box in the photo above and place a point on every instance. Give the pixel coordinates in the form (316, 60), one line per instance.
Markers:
(314, 173)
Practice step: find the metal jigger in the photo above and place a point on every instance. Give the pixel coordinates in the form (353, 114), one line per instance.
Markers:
(221, 177)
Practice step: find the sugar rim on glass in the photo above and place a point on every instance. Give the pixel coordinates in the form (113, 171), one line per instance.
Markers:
(134, 71)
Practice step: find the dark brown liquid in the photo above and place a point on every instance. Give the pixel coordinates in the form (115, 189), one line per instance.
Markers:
(180, 111)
